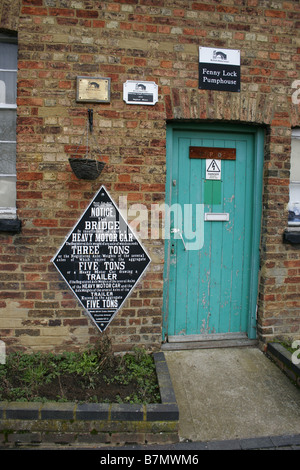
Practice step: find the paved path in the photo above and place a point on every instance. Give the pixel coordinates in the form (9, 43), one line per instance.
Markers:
(232, 394)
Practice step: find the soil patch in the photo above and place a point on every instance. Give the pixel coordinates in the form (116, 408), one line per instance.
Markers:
(94, 376)
(71, 387)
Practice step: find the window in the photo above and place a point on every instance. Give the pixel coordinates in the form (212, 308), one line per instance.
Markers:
(294, 204)
(8, 114)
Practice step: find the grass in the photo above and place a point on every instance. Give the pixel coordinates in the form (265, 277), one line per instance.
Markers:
(94, 375)
(288, 346)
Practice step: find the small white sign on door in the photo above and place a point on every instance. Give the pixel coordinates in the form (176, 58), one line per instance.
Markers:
(213, 169)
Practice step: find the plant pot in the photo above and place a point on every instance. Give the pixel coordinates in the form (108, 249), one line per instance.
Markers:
(85, 168)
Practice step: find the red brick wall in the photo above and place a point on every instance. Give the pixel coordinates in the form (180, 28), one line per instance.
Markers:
(150, 40)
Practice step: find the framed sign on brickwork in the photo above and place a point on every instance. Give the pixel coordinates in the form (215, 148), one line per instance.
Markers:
(93, 89)
(140, 92)
(219, 69)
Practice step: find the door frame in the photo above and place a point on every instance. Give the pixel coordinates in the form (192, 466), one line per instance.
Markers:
(258, 138)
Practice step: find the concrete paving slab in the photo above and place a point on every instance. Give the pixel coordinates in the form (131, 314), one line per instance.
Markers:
(232, 393)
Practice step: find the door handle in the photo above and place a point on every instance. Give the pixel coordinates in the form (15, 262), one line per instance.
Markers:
(177, 230)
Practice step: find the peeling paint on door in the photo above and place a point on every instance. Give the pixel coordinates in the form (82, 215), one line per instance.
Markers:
(207, 290)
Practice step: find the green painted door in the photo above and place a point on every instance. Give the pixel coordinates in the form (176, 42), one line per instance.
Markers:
(212, 252)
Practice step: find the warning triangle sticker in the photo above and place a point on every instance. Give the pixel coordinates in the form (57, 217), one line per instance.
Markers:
(213, 167)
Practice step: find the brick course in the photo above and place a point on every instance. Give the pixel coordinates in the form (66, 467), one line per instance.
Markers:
(79, 424)
(152, 40)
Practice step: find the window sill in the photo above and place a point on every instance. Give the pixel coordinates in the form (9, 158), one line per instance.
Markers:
(292, 235)
(10, 225)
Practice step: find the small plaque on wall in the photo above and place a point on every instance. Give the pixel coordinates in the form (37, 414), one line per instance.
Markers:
(93, 89)
(139, 92)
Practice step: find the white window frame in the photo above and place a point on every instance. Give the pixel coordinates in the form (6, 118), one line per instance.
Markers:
(8, 212)
(292, 205)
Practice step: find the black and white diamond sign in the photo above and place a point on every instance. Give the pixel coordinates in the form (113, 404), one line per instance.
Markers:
(101, 260)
